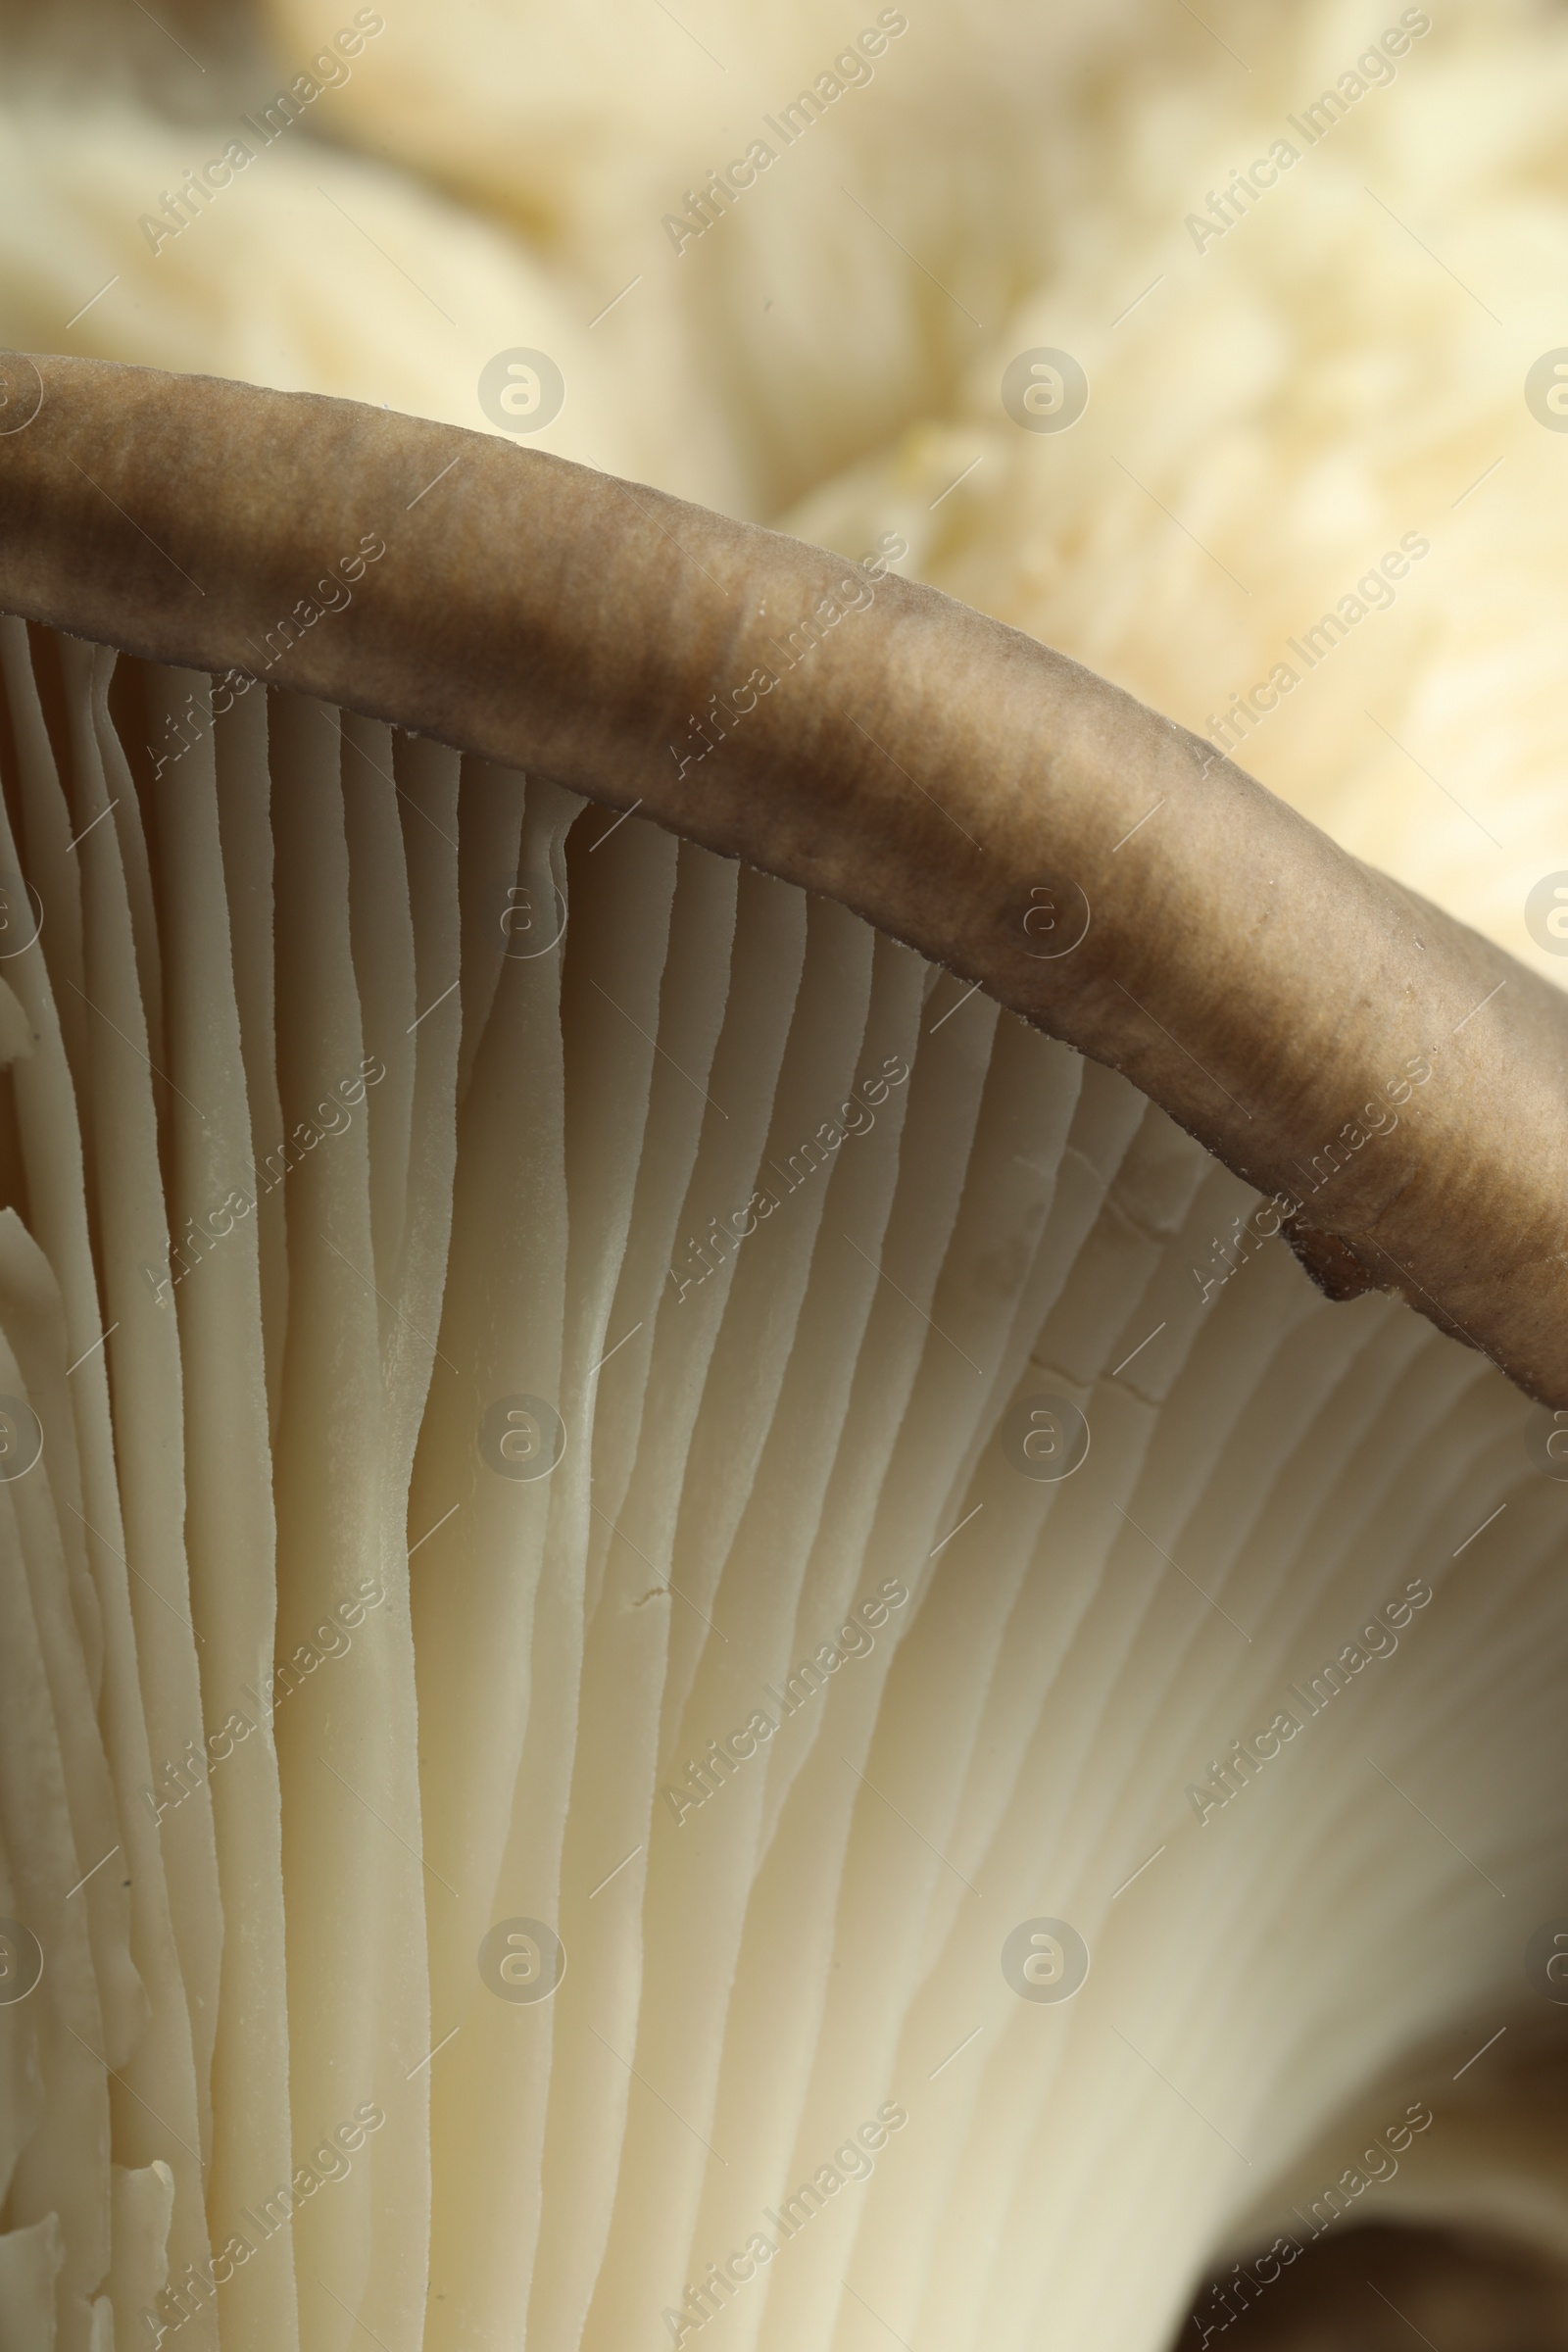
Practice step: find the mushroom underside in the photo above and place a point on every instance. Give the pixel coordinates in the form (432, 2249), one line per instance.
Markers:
(700, 1637)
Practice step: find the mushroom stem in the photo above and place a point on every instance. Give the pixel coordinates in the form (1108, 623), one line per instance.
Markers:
(1399, 1083)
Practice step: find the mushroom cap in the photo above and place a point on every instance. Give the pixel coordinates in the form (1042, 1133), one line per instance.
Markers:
(1398, 1084)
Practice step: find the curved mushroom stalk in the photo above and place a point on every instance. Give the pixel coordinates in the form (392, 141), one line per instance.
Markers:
(1413, 2215)
(1479, 2288)
(704, 1641)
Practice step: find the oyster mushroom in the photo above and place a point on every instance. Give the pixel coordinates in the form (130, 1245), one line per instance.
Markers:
(704, 1640)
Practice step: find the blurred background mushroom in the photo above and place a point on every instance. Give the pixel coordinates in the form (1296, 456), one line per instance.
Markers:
(1289, 380)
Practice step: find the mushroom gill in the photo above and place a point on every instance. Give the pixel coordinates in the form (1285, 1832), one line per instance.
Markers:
(701, 1638)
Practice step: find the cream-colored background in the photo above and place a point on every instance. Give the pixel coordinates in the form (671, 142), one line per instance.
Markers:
(1335, 371)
